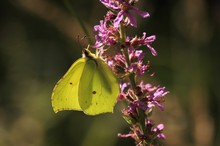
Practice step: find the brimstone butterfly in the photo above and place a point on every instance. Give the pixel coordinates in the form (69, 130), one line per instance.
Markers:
(89, 86)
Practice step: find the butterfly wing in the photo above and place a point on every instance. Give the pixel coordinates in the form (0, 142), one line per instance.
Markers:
(98, 88)
(65, 93)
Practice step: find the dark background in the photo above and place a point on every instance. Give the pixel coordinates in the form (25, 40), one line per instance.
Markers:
(38, 43)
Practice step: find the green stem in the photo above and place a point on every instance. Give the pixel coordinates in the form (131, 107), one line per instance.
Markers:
(142, 116)
(73, 12)
(122, 33)
(125, 51)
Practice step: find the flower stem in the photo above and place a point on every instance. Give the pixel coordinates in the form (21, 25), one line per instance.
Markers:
(122, 33)
(141, 114)
(125, 52)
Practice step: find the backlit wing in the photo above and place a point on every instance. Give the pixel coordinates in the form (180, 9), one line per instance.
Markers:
(98, 88)
(65, 93)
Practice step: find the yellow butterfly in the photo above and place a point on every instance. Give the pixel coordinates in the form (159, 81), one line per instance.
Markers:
(89, 86)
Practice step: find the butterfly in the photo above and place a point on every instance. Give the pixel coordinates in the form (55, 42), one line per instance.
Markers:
(89, 86)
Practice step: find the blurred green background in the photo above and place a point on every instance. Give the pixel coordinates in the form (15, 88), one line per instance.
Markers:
(38, 43)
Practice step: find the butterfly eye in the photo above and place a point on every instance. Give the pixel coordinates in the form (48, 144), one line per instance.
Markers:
(93, 92)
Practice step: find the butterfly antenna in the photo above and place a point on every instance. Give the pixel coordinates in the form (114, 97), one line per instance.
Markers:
(78, 42)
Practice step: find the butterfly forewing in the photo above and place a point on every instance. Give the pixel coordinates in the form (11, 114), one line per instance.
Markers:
(65, 93)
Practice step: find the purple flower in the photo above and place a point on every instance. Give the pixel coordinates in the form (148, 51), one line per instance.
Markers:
(132, 108)
(146, 97)
(125, 8)
(153, 95)
(141, 105)
(120, 67)
(148, 41)
(159, 127)
(136, 58)
(111, 4)
(150, 137)
(161, 136)
(118, 64)
(146, 87)
(137, 68)
(159, 130)
(144, 40)
(106, 35)
(109, 16)
(123, 93)
(157, 97)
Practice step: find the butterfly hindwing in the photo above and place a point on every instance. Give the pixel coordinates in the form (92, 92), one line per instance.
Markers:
(98, 88)
(85, 84)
